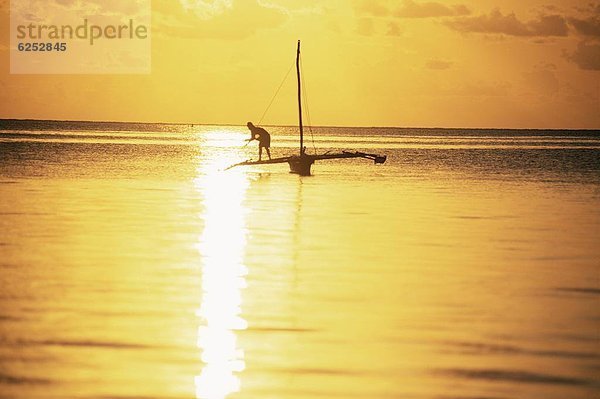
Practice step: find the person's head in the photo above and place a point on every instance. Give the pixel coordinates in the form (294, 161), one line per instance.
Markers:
(250, 125)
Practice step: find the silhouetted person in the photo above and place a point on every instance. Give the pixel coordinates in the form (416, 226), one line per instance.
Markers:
(263, 137)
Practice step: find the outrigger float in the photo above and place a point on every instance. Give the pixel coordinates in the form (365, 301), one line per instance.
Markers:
(301, 163)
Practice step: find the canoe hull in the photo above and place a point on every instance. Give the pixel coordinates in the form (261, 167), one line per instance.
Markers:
(301, 164)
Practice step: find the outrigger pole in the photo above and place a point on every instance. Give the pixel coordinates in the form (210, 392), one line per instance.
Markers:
(302, 162)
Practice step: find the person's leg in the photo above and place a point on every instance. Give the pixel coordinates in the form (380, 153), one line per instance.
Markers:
(259, 152)
(268, 152)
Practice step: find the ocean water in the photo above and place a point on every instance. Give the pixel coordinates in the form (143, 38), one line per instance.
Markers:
(133, 266)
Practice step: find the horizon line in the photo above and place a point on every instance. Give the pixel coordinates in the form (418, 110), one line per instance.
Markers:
(286, 125)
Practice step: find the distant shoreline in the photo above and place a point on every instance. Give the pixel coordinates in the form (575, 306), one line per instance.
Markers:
(8, 120)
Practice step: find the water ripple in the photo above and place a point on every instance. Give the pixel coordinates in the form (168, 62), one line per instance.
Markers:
(512, 376)
(477, 348)
(86, 344)
(13, 380)
(580, 290)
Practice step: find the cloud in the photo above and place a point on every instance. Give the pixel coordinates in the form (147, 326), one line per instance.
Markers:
(411, 9)
(374, 8)
(393, 29)
(587, 26)
(207, 9)
(586, 56)
(100, 7)
(215, 20)
(478, 89)
(438, 65)
(498, 23)
(365, 27)
(589, 8)
(549, 25)
(69, 11)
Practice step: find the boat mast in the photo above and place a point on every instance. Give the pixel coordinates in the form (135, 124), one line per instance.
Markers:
(299, 100)
(301, 164)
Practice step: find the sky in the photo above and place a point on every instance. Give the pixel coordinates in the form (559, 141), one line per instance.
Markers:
(408, 63)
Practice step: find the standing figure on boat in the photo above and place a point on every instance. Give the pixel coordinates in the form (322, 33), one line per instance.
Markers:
(263, 137)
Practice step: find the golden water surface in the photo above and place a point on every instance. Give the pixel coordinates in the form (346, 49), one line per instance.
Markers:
(134, 269)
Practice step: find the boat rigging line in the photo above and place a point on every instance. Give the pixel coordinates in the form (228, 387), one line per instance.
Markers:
(301, 163)
(276, 92)
(305, 96)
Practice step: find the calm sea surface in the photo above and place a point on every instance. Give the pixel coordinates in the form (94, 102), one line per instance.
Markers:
(133, 266)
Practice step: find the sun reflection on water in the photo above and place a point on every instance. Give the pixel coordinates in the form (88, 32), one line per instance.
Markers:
(221, 246)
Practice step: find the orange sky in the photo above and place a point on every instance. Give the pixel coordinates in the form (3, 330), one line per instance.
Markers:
(484, 63)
